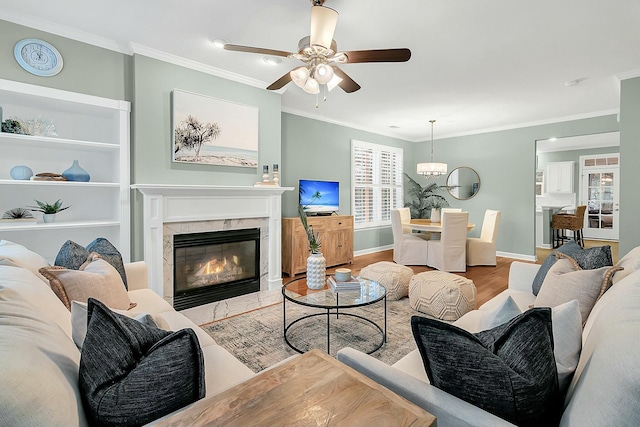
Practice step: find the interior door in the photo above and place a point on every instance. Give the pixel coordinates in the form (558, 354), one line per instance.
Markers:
(600, 192)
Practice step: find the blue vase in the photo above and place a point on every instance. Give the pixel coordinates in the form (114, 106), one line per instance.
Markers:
(76, 173)
(22, 173)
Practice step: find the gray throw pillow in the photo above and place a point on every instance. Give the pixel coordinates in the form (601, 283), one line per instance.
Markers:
(588, 259)
(72, 255)
(509, 371)
(131, 373)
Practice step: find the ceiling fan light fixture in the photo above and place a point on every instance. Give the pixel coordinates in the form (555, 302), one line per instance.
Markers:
(323, 25)
(335, 81)
(299, 76)
(311, 86)
(323, 74)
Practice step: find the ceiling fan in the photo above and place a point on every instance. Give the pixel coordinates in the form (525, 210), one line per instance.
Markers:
(320, 54)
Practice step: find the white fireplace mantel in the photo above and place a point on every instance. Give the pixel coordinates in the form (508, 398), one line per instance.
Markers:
(166, 203)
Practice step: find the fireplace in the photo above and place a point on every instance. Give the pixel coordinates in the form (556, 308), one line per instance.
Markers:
(217, 265)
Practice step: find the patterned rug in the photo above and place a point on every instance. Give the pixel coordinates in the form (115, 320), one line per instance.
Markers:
(256, 337)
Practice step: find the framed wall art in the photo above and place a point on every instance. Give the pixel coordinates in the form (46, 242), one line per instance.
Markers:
(213, 131)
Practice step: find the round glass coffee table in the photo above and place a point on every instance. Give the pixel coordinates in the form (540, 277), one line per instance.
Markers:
(333, 306)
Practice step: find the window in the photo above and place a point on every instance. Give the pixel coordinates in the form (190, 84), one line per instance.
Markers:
(376, 182)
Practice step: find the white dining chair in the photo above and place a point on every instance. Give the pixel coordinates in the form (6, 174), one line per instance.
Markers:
(449, 253)
(443, 210)
(408, 249)
(405, 217)
(482, 250)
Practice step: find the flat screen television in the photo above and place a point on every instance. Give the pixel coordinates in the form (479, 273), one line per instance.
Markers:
(319, 197)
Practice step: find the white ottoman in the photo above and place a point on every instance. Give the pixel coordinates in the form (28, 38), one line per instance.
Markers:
(394, 277)
(443, 295)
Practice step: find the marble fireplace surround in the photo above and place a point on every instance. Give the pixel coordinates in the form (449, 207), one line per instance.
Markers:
(177, 209)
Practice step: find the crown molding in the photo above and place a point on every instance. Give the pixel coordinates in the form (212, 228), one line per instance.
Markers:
(64, 31)
(194, 65)
(341, 123)
(627, 75)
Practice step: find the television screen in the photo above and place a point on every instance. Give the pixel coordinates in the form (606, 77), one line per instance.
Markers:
(319, 196)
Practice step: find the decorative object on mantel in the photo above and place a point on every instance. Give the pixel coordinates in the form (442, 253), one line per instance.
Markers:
(265, 173)
(13, 126)
(266, 184)
(18, 216)
(276, 174)
(48, 176)
(212, 131)
(425, 198)
(49, 210)
(21, 173)
(432, 169)
(76, 173)
(316, 263)
(38, 127)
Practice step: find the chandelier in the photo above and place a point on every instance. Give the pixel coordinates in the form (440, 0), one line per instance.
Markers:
(431, 169)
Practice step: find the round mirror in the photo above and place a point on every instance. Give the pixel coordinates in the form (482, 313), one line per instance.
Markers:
(463, 183)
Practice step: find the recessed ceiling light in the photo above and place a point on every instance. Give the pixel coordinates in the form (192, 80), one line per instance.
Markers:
(219, 43)
(575, 82)
(394, 127)
(271, 60)
(553, 138)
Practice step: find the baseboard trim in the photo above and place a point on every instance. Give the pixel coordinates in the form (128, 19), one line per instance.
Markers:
(516, 256)
(372, 250)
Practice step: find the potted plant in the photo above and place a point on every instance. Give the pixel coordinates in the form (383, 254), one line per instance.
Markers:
(425, 199)
(316, 263)
(49, 210)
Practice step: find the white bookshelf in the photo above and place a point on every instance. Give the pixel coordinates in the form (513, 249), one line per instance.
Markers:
(90, 129)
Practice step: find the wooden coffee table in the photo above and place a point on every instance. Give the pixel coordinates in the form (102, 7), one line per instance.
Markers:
(309, 390)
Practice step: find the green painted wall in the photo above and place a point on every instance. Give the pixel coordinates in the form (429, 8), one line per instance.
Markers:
(151, 155)
(87, 69)
(505, 162)
(629, 159)
(312, 149)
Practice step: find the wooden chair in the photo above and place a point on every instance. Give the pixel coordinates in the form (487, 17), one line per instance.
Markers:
(561, 222)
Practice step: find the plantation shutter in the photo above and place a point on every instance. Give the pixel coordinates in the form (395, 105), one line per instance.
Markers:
(376, 183)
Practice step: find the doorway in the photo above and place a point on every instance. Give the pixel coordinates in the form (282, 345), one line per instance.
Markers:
(599, 190)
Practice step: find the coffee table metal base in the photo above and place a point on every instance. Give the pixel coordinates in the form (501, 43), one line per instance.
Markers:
(328, 314)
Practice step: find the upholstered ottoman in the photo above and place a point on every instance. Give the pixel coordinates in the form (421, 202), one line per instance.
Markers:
(443, 295)
(394, 277)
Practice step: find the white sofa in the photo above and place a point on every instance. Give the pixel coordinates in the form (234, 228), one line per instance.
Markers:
(604, 390)
(38, 359)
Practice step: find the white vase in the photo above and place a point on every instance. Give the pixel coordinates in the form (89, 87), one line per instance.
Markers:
(435, 215)
(49, 218)
(316, 271)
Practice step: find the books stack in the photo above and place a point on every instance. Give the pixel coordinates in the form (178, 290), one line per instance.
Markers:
(352, 284)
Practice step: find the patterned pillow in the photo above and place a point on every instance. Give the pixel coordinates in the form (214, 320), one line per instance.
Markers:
(132, 374)
(588, 259)
(96, 278)
(72, 255)
(509, 371)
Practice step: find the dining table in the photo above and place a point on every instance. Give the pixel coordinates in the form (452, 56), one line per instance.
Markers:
(428, 226)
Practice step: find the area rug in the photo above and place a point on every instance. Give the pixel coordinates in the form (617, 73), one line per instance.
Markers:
(256, 338)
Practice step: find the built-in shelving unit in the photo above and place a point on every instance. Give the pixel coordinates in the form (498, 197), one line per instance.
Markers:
(90, 129)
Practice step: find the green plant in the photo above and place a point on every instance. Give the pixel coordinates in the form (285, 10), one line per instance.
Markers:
(425, 198)
(17, 213)
(314, 238)
(47, 208)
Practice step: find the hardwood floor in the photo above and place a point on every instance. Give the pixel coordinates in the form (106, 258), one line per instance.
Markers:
(489, 281)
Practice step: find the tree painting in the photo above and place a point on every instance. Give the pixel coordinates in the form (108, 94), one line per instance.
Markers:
(191, 134)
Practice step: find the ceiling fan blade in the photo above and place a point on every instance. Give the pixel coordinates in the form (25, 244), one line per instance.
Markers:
(347, 84)
(323, 25)
(378, 55)
(280, 83)
(260, 50)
